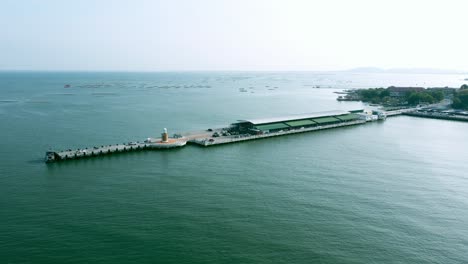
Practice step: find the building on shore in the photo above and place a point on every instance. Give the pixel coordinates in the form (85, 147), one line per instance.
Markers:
(402, 91)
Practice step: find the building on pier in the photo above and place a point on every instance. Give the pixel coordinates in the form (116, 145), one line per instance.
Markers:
(285, 123)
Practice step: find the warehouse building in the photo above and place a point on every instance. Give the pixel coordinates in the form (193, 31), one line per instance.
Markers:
(271, 125)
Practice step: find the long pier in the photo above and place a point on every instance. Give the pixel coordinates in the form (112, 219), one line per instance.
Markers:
(95, 151)
(204, 139)
(52, 156)
(272, 127)
(438, 115)
(399, 112)
(212, 137)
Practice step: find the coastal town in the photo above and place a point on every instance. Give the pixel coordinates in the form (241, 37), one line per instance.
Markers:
(434, 102)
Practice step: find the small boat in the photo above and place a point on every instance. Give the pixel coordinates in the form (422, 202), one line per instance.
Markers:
(66, 86)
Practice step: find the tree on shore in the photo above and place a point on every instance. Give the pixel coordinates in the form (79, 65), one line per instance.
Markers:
(415, 98)
(382, 96)
(460, 100)
(374, 95)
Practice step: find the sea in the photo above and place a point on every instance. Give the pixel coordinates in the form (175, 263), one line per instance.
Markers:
(386, 192)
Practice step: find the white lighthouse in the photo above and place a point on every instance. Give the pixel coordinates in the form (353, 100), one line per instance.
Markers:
(164, 136)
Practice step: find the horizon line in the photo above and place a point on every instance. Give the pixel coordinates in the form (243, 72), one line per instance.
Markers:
(355, 70)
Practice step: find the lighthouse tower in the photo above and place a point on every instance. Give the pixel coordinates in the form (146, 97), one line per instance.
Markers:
(164, 136)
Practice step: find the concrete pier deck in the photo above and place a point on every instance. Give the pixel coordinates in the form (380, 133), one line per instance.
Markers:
(52, 156)
(438, 115)
(201, 138)
(399, 112)
(212, 141)
(212, 137)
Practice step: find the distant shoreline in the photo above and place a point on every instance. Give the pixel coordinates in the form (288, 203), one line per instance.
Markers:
(357, 70)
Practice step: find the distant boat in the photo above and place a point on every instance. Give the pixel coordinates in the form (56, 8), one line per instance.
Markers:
(66, 86)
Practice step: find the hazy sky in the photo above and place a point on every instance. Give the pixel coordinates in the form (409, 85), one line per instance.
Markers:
(139, 35)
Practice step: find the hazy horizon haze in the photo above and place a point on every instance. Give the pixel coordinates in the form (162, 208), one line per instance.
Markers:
(231, 35)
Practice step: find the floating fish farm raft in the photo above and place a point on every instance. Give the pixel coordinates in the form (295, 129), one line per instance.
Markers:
(242, 130)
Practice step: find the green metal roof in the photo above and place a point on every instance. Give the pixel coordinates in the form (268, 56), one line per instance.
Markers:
(300, 123)
(324, 120)
(347, 117)
(272, 126)
(294, 117)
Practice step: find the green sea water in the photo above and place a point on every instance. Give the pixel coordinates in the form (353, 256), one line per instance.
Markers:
(386, 192)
